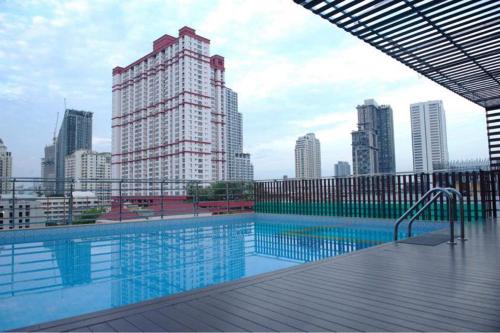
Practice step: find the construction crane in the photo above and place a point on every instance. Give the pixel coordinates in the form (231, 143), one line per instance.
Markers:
(55, 128)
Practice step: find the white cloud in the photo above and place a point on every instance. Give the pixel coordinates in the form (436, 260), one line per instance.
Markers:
(274, 50)
(101, 144)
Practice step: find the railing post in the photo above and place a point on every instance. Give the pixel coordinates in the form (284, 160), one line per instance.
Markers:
(70, 203)
(195, 199)
(13, 210)
(227, 197)
(120, 199)
(161, 198)
(451, 215)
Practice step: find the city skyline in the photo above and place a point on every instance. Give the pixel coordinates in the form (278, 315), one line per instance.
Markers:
(260, 68)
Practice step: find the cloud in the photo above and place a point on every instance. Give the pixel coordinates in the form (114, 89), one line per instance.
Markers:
(294, 74)
(101, 144)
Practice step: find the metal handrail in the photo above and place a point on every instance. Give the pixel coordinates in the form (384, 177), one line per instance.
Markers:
(415, 205)
(438, 191)
(461, 203)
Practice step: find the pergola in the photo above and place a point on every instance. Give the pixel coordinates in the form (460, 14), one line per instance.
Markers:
(455, 43)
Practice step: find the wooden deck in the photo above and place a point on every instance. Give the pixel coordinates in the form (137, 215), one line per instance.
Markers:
(392, 287)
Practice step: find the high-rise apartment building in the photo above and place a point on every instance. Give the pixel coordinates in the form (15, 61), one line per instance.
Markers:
(307, 157)
(5, 168)
(49, 169)
(428, 136)
(342, 169)
(168, 116)
(87, 164)
(239, 166)
(75, 133)
(373, 148)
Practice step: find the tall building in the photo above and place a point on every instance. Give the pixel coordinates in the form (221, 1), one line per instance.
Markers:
(428, 136)
(49, 169)
(75, 133)
(5, 168)
(87, 164)
(307, 157)
(342, 169)
(168, 114)
(373, 143)
(239, 166)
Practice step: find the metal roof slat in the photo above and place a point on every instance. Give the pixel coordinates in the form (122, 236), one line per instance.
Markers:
(454, 43)
(397, 17)
(342, 8)
(458, 21)
(385, 5)
(462, 33)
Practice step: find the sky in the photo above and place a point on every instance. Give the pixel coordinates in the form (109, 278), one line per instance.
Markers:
(294, 73)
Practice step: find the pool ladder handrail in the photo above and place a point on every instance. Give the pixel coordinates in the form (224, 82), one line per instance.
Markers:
(451, 195)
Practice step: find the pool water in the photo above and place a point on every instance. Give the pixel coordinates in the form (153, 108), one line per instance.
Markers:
(55, 273)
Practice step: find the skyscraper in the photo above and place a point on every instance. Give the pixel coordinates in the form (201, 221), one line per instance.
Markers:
(75, 133)
(5, 168)
(239, 166)
(307, 157)
(168, 114)
(373, 143)
(49, 169)
(428, 136)
(342, 169)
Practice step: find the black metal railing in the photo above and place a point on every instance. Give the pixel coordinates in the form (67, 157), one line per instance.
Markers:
(37, 202)
(379, 196)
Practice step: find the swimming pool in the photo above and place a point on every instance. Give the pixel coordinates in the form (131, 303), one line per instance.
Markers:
(54, 273)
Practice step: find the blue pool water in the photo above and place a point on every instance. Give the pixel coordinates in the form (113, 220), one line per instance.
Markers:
(55, 273)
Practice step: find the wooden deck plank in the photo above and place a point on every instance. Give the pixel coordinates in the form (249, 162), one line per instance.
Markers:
(166, 323)
(102, 327)
(121, 325)
(393, 287)
(269, 323)
(244, 323)
(270, 311)
(143, 323)
(214, 321)
(358, 317)
(297, 308)
(376, 291)
(196, 324)
(385, 308)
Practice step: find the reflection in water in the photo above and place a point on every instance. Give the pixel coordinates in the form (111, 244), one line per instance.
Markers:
(310, 243)
(73, 260)
(98, 270)
(176, 260)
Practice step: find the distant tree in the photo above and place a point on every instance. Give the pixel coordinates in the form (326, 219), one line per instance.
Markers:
(219, 191)
(89, 216)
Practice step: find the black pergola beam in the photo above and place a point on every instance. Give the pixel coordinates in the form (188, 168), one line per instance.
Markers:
(454, 43)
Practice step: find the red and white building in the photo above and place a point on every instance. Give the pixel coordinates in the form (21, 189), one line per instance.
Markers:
(168, 117)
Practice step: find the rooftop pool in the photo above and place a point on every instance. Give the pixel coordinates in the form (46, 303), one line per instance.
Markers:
(54, 273)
